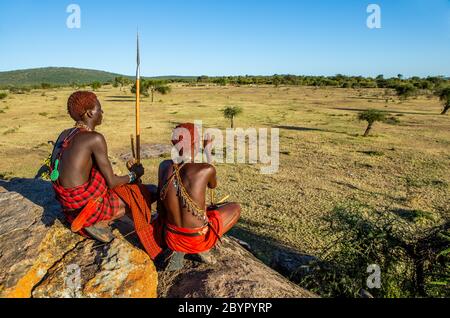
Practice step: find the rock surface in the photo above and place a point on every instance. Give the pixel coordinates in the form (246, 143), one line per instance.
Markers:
(236, 274)
(40, 257)
(148, 151)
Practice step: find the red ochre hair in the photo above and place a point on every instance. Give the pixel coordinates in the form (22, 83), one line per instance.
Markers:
(189, 131)
(79, 103)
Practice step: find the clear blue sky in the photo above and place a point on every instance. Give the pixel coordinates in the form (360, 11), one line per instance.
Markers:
(230, 37)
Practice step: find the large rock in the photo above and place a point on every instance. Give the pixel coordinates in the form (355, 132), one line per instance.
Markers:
(236, 274)
(40, 257)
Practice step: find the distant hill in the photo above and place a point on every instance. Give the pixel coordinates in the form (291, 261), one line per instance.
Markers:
(53, 75)
(64, 76)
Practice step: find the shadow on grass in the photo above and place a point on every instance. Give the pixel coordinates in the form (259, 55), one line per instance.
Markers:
(297, 128)
(412, 215)
(384, 111)
(121, 97)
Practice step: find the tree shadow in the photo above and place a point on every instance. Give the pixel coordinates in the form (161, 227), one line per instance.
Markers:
(41, 193)
(120, 97)
(384, 111)
(412, 216)
(297, 128)
(120, 100)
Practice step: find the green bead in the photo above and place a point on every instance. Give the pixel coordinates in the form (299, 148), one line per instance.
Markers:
(55, 173)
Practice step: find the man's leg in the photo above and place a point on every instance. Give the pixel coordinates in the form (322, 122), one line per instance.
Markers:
(229, 213)
(101, 230)
(121, 212)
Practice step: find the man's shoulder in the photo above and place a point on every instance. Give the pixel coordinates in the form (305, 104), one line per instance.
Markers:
(202, 167)
(93, 136)
(197, 166)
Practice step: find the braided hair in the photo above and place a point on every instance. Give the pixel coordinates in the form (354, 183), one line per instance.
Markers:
(79, 103)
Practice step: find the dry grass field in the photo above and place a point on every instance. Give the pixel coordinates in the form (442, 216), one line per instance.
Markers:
(324, 159)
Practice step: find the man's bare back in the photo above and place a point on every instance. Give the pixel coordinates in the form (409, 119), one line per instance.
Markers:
(196, 178)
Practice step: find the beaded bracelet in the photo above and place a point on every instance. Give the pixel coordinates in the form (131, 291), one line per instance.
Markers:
(132, 176)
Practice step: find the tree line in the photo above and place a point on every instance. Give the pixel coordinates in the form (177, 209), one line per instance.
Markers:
(404, 87)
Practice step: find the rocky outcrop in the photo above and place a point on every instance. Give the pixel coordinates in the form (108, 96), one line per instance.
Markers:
(236, 274)
(40, 257)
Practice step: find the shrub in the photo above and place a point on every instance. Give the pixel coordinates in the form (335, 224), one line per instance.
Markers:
(371, 116)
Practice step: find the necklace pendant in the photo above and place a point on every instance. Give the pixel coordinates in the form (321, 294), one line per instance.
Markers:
(55, 173)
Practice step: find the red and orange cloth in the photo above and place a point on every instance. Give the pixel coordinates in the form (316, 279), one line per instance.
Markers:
(98, 203)
(92, 202)
(179, 239)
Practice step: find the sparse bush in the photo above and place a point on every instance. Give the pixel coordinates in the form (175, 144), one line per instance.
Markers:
(371, 116)
(3, 95)
(230, 113)
(96, 85)
(413, 262)
(19, 90)
(444, 96)
(405, 91)
(153, 87)
(46, 86)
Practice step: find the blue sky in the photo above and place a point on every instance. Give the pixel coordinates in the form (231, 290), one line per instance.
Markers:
(230, 37)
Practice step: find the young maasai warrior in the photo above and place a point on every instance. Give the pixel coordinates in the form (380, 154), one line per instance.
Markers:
(82, 174)
(189, 226)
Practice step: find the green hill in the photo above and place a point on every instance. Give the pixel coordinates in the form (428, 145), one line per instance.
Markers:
(65, 76)
(53, 75)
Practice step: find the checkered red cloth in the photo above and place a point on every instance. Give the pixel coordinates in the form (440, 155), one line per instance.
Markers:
(138, 198)
(73, 200)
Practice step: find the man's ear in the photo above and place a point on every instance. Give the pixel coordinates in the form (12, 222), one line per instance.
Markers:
(90, 113)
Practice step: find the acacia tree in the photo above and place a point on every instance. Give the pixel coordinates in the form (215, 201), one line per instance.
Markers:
(121, 81)
(371, 116)
(444, 96)
(96, 85)
(153, 87)
(404, 91)
(230, 112)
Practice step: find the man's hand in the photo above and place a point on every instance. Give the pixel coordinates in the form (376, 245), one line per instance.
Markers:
(138, 169)
(207, 146)
(208, 141)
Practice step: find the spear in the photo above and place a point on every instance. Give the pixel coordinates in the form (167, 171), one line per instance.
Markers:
(138, 106)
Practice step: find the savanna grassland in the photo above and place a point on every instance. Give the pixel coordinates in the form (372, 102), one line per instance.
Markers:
(324, 160)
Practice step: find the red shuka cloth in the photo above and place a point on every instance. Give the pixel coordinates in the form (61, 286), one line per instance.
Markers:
(93, 199)
(138, 199)
(195, 244)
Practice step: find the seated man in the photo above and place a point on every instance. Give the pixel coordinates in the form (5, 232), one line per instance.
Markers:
(82, 174)
(190, 227)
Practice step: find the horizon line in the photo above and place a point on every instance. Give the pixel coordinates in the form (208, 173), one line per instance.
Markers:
(174, 75)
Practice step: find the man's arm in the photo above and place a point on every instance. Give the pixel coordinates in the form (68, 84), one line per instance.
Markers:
(160, 206)
(212, 180)
(207, 145)
(100, 151)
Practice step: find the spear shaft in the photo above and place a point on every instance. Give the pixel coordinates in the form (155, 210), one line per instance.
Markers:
(138, 106)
